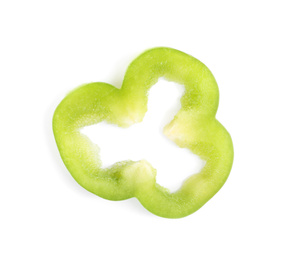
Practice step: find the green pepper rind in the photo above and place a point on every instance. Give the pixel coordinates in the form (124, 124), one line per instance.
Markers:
(193, 127)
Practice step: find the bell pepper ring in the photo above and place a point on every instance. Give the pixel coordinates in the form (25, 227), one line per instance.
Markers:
(194, 127)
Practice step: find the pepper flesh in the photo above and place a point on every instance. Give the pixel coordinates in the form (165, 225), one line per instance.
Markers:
(193, 127)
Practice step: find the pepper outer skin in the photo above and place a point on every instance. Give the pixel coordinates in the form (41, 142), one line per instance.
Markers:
(194, 127)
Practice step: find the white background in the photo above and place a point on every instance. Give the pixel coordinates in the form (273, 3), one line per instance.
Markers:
(50, 47)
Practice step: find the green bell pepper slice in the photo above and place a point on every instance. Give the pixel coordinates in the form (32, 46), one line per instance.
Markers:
(193, 127)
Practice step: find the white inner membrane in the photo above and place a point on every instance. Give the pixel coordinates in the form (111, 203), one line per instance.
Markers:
(146, 140)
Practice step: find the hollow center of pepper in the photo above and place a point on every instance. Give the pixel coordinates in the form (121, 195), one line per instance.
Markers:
(146, 140)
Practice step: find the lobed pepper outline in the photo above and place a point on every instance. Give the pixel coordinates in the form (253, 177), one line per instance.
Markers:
(194, 127)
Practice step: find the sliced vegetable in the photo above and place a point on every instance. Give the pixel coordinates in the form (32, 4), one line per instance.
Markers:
(193, 127)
